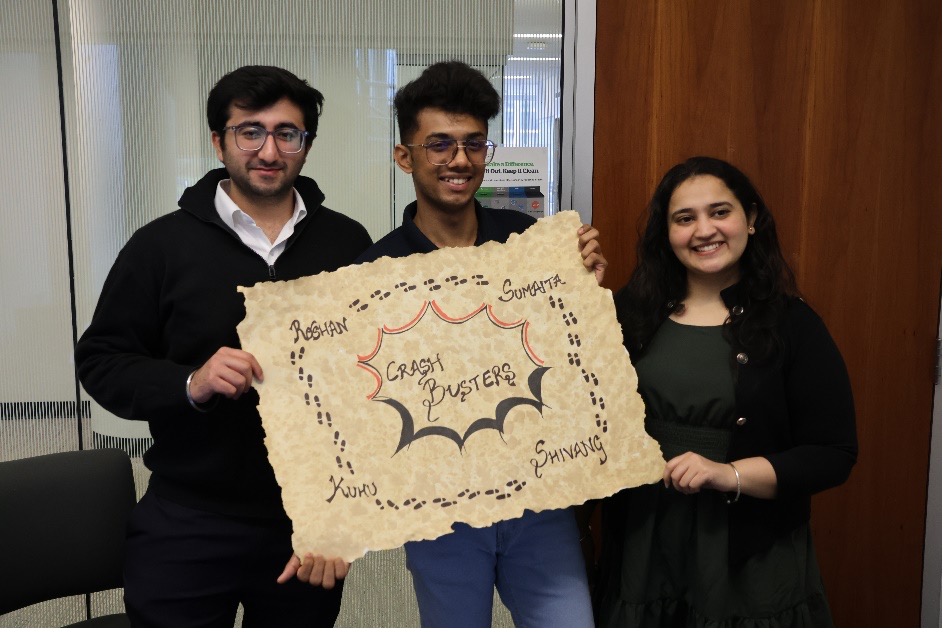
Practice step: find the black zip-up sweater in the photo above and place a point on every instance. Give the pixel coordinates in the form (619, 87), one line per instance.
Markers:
(169, 303)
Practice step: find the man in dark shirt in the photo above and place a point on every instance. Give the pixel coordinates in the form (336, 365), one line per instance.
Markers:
(535, 561)
(162, 346)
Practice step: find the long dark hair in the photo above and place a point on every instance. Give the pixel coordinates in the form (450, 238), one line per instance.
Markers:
(658, 284)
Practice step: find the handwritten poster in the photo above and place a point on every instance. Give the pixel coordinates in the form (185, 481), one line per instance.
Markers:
(464, 385)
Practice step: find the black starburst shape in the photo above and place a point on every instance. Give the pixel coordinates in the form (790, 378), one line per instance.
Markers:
(503, 408)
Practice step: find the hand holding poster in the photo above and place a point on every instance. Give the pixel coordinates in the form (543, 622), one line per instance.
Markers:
(463, 385)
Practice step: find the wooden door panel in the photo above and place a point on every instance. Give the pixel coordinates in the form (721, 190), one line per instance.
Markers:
(833, 109)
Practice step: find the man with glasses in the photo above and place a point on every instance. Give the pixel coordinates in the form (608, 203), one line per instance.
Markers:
(211, 532)
(535, 561)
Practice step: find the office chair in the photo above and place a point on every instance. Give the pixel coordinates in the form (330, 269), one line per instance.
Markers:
(62, 527)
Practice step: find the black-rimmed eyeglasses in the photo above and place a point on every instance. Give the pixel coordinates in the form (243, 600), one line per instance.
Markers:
(289, 140)
(443, 151)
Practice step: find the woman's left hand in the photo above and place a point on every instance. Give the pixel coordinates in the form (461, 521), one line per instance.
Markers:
(689, 473)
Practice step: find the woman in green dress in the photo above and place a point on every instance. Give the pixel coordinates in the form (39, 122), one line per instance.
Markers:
(750, 400)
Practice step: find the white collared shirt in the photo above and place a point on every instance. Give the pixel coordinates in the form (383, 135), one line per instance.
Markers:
(251, 234)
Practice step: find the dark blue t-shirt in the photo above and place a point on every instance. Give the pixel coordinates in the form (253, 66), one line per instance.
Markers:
(407, 239)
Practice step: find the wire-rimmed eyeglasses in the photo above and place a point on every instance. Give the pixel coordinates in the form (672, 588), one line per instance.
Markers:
(443, 150)
(289, 140)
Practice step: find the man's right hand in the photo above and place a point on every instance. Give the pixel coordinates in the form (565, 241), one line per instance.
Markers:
(317, 571)
(229, 373)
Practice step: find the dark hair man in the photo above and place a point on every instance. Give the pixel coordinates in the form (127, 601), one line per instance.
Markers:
(535, 561)
(211, 532)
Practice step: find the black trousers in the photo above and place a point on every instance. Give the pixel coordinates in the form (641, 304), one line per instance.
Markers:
(190, 568)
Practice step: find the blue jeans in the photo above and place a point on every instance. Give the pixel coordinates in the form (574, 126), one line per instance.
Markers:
(535, 562)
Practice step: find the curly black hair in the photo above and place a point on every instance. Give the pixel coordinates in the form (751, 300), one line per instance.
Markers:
(658, 284)
(451, 86)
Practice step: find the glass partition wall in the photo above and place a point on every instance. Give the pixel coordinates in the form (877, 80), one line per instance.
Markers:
(103, 102)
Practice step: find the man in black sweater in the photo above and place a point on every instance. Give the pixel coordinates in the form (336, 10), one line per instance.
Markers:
(162, 347)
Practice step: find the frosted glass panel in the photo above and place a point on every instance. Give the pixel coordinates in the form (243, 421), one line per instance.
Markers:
(35, 313)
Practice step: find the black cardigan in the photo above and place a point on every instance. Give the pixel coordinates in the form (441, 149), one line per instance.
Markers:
(793, 408)
(796, 410)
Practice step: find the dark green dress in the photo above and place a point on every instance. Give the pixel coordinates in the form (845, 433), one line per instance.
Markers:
(665, 556)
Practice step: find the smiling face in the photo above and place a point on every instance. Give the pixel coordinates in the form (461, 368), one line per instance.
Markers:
(446, 188)
(708, 230)
(265, 175)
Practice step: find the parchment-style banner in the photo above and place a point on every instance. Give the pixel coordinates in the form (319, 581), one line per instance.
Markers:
(465, 385)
